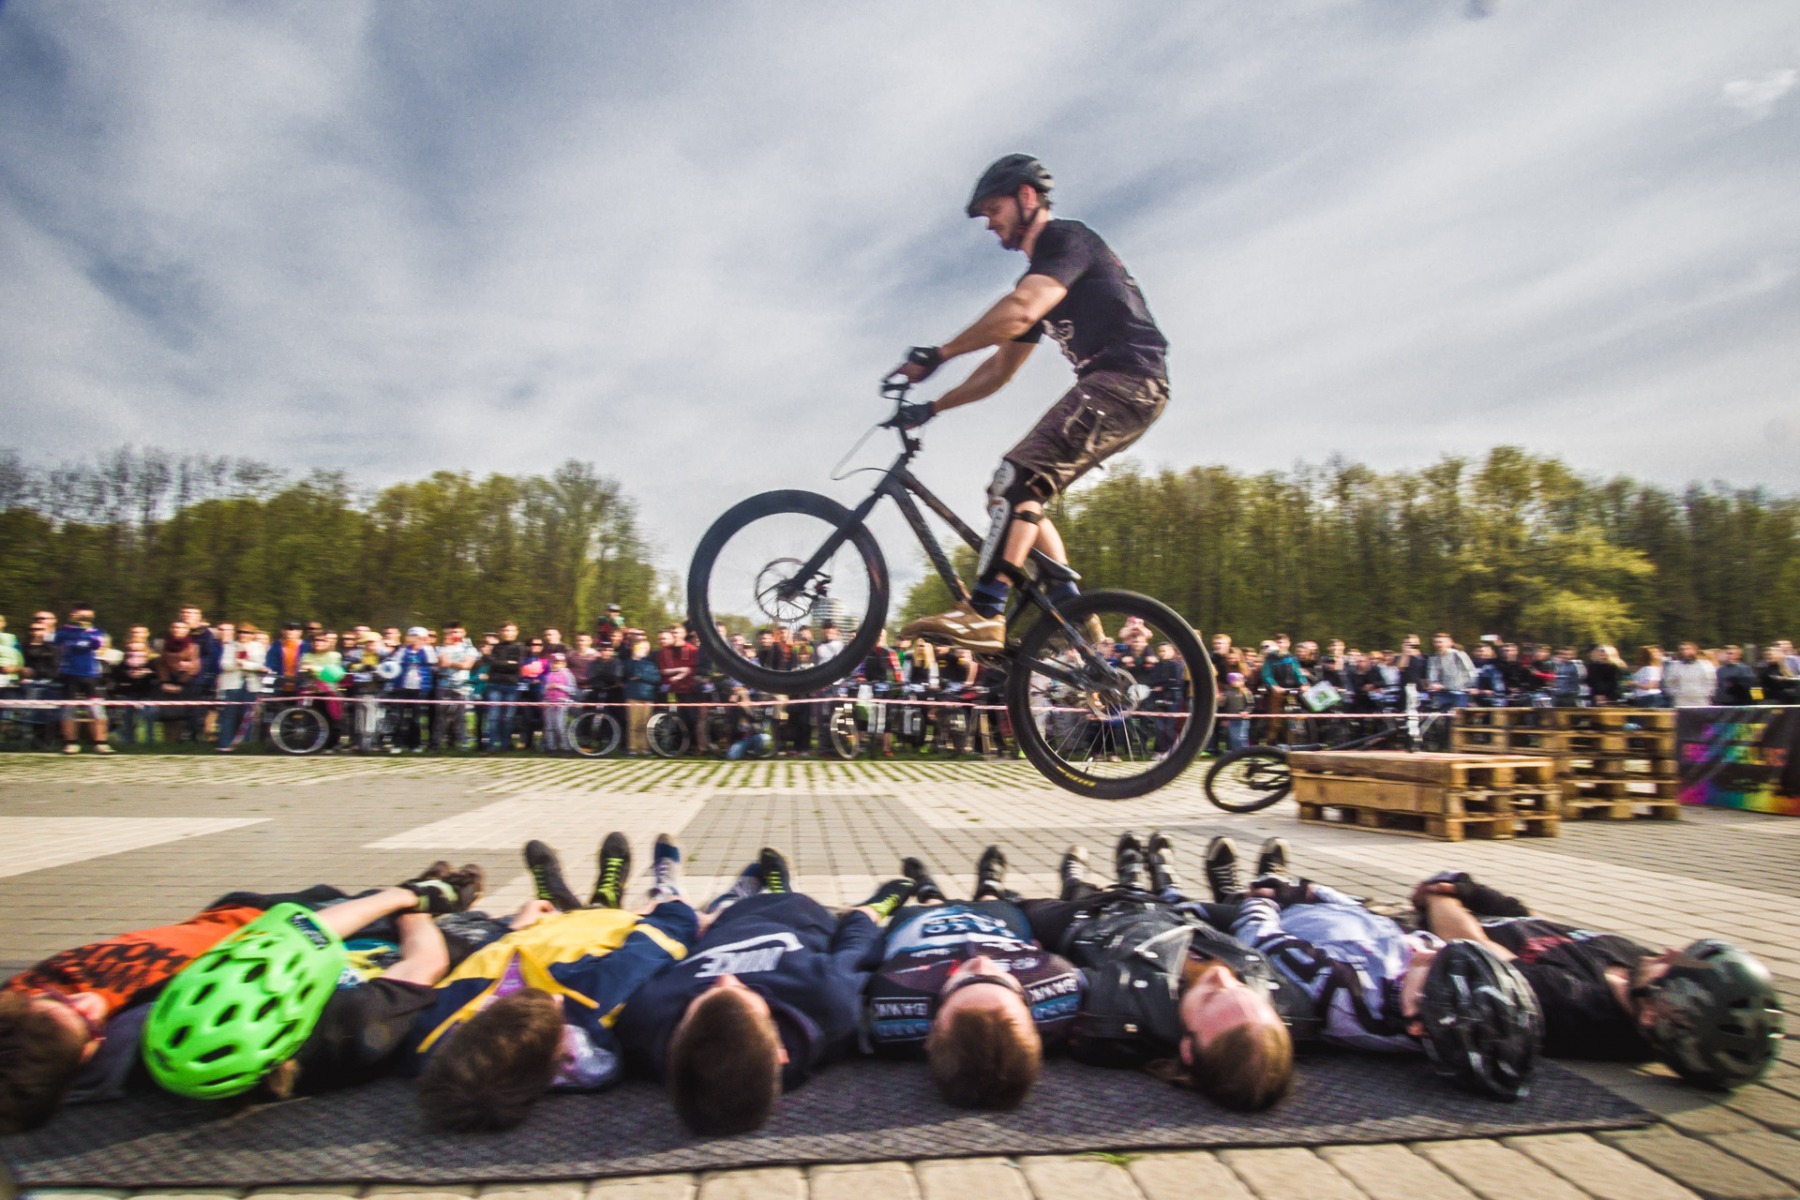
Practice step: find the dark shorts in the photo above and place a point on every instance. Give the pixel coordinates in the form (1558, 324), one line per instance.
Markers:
(1101, 415)
(79, 687)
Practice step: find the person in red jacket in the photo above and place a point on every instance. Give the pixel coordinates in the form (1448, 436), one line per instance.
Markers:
(679, 663)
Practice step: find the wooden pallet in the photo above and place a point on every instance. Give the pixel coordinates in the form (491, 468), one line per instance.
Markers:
(1644, 788)
(1431, 825)
(1625, 808)
(1425, 809)
(1466, 771)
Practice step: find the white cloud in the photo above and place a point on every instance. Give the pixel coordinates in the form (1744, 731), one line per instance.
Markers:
(684, 241)
(1756, 97)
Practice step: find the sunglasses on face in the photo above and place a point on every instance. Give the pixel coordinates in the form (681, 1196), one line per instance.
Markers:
(970, 979)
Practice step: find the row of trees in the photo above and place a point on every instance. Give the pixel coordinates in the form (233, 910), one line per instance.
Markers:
(1515, 544)
(140, 533)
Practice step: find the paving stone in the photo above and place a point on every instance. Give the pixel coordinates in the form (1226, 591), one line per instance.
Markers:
(1699, 1165)
(762, 1183)
(970, 1179)
(533, 1191)
(1494, 1172)
(420, 1191)
(1767, 1105)
(1288, 1174)
(1393, 1173)
(1056, 1177)
(75, 1194)
(199, 1194)
(1596, 1168)
(644, 1187)
(1184, 1174)
(1775, 1153)
(324, 1192)
(859, 1181)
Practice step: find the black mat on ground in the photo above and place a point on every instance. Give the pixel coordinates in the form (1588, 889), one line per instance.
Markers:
(855, 1113)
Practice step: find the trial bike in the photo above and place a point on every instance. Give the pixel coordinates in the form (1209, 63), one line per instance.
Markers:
(1252, 778)
(796, 559)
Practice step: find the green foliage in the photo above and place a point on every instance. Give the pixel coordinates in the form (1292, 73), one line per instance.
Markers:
(140, 534)
(1515, 544)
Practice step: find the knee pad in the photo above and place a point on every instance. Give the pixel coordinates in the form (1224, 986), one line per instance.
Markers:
(1010, 487)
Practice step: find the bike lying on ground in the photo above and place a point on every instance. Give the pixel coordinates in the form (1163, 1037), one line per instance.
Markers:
(1252, 778)
(794, 560)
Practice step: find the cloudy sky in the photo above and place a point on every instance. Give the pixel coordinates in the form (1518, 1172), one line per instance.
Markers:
(683, 241)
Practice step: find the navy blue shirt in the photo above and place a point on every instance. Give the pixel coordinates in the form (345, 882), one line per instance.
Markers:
(78, 647)
(809, 965)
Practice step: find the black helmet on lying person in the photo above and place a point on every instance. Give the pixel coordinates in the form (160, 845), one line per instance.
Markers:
(1711, 1012)
(1478, 1020)
(1000, 193)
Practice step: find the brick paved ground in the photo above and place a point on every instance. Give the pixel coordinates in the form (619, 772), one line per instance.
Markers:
(89, 847)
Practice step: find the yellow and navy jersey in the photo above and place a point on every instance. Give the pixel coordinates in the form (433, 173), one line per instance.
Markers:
(595, 958)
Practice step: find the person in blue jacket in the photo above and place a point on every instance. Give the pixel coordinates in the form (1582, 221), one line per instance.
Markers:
(770, 993)
(78, 647)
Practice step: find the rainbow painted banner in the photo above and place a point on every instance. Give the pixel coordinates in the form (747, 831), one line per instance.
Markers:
(1745, 758)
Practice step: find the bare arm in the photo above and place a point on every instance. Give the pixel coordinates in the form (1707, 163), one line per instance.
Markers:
(986, 379)
(1446, 917)
(1011, 316)
(423, 955)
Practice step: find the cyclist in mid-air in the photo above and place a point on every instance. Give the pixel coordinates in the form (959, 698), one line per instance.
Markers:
(1076, 290)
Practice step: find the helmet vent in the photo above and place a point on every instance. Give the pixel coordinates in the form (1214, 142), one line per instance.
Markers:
(227, 1015)
(268, 1006)
(256, 972)
(215, 1054)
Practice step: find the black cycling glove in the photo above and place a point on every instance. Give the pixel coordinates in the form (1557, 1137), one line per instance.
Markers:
(912, 414)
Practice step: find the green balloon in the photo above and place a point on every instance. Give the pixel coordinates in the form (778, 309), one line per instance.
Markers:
(331, 674)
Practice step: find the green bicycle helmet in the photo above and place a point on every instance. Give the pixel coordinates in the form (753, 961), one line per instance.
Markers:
(244, 1006)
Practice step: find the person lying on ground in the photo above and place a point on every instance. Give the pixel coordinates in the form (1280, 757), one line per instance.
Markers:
(1377, 986)
(964, 983)
(70, 1027)
(1710, 1011)
(771, 993)
(536, 1009)
(1165, 990)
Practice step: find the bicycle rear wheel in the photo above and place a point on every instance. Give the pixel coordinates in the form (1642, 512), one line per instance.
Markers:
(841, 732)
(1126, 725)
(297, 730)
(747, 572)
(594, 734)
(1249, 779)
(666, 734)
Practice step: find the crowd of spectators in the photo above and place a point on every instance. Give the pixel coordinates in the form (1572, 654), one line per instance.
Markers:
(203, 682)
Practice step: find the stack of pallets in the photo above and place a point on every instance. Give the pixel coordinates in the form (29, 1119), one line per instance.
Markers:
(1447, 796)
(1610, 762)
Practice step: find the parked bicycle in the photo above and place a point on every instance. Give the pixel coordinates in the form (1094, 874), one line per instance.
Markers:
(797, 559)
(1254, 777)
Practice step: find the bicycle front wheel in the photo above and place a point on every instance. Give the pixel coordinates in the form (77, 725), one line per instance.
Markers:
(751, 573)
(666, 734)
(1115, 718)
(594, 734)
(297, 730)
(842, 734)
(1249, 779)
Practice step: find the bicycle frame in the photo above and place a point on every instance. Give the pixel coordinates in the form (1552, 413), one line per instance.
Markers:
(900, 485)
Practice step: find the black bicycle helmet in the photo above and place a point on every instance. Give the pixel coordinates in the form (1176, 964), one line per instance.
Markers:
(1482, 1024)
(1715, 1016)
(1005, 176)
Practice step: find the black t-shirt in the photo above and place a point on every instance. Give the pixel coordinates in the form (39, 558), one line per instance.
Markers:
(925, 943)
(1566, 968)
(1103, 323)
(359, 1032)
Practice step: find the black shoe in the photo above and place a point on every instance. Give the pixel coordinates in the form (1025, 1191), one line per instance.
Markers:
(1128, 861)
(1161, 853)
(925, 888)
(775, 874)
(665, 868)
(1273, 859)
(1222, 871)
(615, 872)
(990, 874)
(1073, 870)
(547, 876)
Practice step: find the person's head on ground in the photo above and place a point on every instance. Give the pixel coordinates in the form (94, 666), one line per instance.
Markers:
(491, 1069)
(1013, 197)
(1234, 1048)
(983, 1048)
(1711, 1011)
(725, 1060)
(45, 1038)
(1475, 1017)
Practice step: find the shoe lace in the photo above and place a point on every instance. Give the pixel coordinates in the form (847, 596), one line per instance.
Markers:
(609, 876)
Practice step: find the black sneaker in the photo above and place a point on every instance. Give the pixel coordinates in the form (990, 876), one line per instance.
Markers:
(547, 876)
(1073, 870)
(990, 874)
(1222, 871)
(1128, 861)
(1273, 858)
(615, 872)
(1161, 853)
(924, 886)
(775, 874)
(665, 869)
